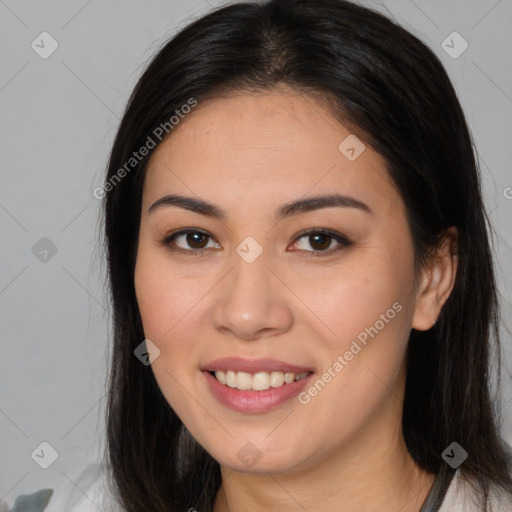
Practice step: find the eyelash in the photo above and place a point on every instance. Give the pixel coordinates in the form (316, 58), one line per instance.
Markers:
(341, 239)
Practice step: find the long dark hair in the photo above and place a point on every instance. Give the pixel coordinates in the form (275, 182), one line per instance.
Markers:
(395, 94)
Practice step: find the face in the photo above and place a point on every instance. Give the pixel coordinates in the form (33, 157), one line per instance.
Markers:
(324, 293)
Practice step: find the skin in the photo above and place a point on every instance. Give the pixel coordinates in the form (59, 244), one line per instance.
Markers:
(249, 154)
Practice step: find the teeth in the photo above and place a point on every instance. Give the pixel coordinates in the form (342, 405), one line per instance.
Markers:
(259, 381)
(289, 377)
(276, 379)
(243, 380)
(231, 379)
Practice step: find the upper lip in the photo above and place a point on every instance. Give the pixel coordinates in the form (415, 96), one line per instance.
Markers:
(239, 364)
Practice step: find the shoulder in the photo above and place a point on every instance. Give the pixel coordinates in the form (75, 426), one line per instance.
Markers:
(92, 493)
(462, 497)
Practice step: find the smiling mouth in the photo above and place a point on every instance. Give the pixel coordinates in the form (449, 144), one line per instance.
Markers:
(259, 381)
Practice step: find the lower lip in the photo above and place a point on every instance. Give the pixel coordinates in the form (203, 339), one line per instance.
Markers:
(254, 401)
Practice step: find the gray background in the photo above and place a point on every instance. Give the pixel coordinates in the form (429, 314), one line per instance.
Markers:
(58, 120)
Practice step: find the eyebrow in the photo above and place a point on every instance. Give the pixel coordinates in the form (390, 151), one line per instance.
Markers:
(287, 210)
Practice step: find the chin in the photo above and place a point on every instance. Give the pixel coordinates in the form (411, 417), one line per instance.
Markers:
(261, 456)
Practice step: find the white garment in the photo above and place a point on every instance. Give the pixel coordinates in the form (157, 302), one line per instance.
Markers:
(460, 497)
(93, 495)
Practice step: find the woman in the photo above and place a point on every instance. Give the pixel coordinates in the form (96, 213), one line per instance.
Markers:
(301, 277)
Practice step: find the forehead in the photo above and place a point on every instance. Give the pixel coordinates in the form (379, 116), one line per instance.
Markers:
(272, 145)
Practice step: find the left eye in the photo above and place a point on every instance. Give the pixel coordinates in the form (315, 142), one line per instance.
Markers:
(321, 241)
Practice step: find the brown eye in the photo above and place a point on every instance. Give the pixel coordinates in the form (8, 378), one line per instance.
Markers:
(191, 241)
(196, 240)
(321, 241)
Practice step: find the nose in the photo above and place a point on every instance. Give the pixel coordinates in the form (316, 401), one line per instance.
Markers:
(252, 303)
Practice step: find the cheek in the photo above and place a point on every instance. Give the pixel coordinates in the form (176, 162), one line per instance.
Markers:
(350, 301)
(166, 304)
(154, 298)
(367, 309)
(165, 297)
(362, 361)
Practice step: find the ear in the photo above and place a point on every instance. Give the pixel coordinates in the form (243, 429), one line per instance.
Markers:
(437, 281)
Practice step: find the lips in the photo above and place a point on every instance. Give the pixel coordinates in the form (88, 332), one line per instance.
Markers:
(250, 400)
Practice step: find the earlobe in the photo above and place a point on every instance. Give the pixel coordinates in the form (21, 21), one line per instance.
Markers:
(438, 279)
